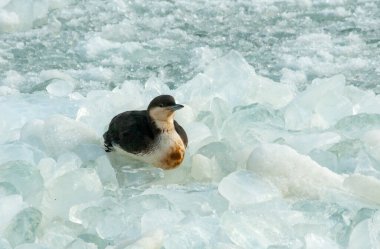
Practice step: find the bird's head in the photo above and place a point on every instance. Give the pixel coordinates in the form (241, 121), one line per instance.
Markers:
(162, 108)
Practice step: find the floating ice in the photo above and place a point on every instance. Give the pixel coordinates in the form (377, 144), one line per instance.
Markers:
(26, 179)
(106, 173)
(244, 188)
(98, 46)
(160, 219)
(9, 207)
(194, 232)
(198, 201)
(366, 233)
(367, 187)
(4, 244)
(258, 229)
(314, 241)
(19, 151)
(60, 134)
(22, 15)
(291, 172)
(234, 80)
(203, 168)
(283, 124)
(355, 126)
(149, 241)
(23, 227)
(80, 244)
(30, 246)
(322, 104)
(75, 187)
(60, 88)
(372, 142)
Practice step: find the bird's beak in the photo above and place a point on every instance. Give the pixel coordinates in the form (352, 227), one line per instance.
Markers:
(175, 107)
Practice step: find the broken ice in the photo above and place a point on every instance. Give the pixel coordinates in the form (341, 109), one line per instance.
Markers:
(281, 108)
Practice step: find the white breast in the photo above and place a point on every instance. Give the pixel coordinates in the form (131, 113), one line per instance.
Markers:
(166, 143)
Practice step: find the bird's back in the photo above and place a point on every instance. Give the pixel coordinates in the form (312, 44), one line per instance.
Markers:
(131, 131)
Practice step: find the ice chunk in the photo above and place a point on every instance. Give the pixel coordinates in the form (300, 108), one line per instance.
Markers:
(9, 207)
(97, 46)
(87, 152)
(5, 90)
(305, 142)
(25, 14)
(52, 75)
(61, 134)
(194, 232)
(364, 101)
(349, 154)
(9, 21)
(121, 32)
(223, 155)
(291, 77)
(204, 168)
(291, 172)
(136, 174)
(19, 151)
(58, 83)
(75, 187)
(106, 172)
(31, 133)
(97, 115)
(31, 246)
(7, 189)
(67, 162)
(367, 187)
(326, 159)
(232, 70)
(58, 233)
(152, 240)
(322, 104)
(106, 218)
(314, 241)
(258, 229)
(157, 219)
(245, 188)
(94, 239)
(185, 116)
(60, 88)
(372, 143)
(13, 79)
(198, 200)
(113, 221)
(4, 244)
(23, 227)
(112, 227)
(366, 234)
(80, 244)
(355, 126)
(26, 179)
(154, 87)
(231, 78)
(199, 135)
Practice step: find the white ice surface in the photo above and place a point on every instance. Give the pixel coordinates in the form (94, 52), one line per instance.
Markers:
(282, 111)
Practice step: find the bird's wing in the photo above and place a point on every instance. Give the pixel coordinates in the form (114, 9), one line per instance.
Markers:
(181, 132)
(131, 131)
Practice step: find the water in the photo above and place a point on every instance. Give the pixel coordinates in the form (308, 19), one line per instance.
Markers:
(281, 109)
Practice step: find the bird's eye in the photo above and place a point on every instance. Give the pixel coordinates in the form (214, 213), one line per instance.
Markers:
(161, 105)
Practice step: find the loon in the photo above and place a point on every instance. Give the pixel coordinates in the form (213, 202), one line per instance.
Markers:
(151, 136)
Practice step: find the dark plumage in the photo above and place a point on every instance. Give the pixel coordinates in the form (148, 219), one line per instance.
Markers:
(152, 136)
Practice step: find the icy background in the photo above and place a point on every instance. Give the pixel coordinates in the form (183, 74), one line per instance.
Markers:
(282, 112)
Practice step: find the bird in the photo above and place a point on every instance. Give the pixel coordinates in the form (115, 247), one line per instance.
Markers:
(151, 136)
